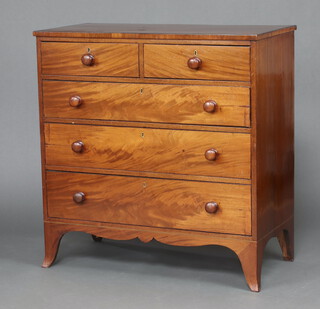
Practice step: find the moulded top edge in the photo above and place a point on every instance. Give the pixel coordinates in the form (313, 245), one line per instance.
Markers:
(162, 31)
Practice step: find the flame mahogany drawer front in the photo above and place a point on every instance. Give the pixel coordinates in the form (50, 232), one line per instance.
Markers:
(149, 202)
(197, 62)
(154, 150)
(210, 105)
(96, 59)
(182, 134)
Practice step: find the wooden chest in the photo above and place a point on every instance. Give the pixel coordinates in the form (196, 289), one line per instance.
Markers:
(178, 133)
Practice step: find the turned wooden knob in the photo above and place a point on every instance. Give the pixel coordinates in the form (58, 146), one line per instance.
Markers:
(211, 154)
(75, 101)
(210, 106)
(87, 59)
(79, 197)
(194, 63)
(77, 146)
(211, 207)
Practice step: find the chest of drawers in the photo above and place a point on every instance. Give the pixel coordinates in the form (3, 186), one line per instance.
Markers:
(182, 134)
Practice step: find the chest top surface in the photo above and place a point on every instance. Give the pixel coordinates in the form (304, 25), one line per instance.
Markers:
(166, 31)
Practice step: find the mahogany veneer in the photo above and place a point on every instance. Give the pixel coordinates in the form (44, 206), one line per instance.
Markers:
(154, 150)
(148, 102)
(101, 59)
(179, 133)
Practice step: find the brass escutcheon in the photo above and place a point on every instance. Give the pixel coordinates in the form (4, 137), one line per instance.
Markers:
(142, 134)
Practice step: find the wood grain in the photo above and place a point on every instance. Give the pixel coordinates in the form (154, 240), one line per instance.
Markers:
(148, 102)
(154, 150)
(150, 202)
(218, 62)
(273, 132)
(158, 31)
(110, 59)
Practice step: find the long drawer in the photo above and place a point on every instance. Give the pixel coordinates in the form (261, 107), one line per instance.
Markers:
(108, 59)
(149, 202)
(229, 63)
(209, 105)
(154, 150)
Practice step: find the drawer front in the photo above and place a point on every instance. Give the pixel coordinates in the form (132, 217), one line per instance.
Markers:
(150, 202)
(218, 62)
(154, 150)
(148, 102)
(109, 59)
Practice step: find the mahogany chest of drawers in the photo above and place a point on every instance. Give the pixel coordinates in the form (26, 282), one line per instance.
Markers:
(182, 134)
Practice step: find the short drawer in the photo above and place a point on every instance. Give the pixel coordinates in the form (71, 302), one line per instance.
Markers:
(109, 59)
(153, 150)
(226, 63)
(209, 105)
(173, 204)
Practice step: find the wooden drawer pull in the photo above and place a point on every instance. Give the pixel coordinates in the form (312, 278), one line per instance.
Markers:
(79, 197)
(211, 207)
(87, 59)
(194, 63)
(77, 146)
(211, 154)
(75, 101)
(210, 106)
